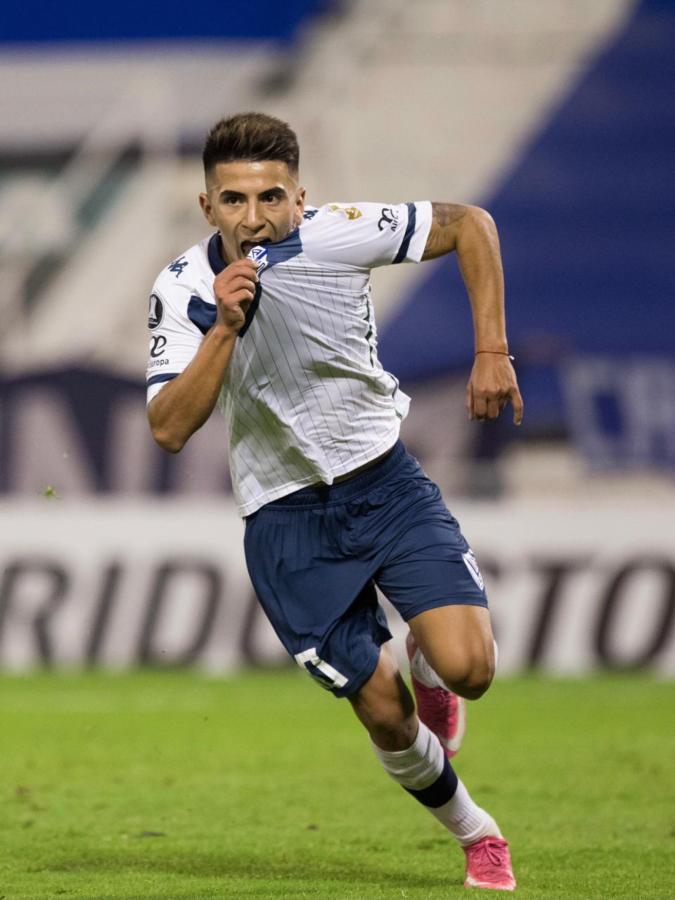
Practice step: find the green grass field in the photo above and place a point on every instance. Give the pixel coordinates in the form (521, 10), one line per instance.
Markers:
(172, 785)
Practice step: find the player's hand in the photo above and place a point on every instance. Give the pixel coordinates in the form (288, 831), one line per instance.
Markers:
(234, 289)
(491, 385)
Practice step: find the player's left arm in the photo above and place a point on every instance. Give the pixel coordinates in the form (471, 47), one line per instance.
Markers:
(471, 233)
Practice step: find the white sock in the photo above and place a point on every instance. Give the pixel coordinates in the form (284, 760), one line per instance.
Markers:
(464, 819)
(423, 672)
(422, 765)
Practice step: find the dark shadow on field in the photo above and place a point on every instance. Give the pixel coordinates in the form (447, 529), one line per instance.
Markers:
(256, 867)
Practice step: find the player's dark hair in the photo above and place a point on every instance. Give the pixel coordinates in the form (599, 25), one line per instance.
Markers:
(251, 136)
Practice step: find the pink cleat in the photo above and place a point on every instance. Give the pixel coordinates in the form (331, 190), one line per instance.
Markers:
(488, 865)
(441, 710)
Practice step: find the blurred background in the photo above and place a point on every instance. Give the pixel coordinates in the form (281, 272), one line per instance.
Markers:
(556, 115)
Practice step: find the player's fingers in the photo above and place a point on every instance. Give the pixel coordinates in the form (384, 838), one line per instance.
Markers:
(245, 295)
(468, 400)
(243, 265)
(492, 407)
(250, 268)
(232, 294)
(241, 282)
(518, 406)
(245, 268)
(479, 406)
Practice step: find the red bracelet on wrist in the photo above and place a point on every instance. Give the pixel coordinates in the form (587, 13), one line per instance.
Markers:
(499, 352)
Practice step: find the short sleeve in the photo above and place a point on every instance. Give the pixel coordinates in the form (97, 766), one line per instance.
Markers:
(174, 340)
(366, 235)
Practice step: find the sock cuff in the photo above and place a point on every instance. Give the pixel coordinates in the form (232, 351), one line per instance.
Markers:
(419, 745)
(417, 767)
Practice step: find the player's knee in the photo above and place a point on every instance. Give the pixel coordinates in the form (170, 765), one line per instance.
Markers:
(474, 685)
(472, 676)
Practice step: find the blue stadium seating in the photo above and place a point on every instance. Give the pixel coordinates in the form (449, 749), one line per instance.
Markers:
(587, 223)
(129, 20)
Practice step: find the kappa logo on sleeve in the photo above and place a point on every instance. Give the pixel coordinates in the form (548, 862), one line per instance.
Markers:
(351, 213)
(472, 566)
(156, 312)
(178, 265)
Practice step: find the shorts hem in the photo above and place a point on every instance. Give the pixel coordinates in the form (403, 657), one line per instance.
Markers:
(354, 685)
(434, 604)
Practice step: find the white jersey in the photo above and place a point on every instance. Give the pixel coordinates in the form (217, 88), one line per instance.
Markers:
(305, 397)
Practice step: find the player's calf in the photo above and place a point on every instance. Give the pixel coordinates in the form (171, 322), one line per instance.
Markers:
(385, 707)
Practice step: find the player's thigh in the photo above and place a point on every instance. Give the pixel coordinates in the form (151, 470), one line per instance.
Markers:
(428, 562)
(457, 642)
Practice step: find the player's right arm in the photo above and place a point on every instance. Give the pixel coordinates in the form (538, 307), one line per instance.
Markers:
(183, 405)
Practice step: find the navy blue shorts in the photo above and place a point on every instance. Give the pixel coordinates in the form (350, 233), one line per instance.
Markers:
(315, 556)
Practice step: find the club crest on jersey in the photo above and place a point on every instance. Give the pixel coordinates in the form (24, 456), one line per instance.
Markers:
(472, 566)
(156, 312)
(259, 257)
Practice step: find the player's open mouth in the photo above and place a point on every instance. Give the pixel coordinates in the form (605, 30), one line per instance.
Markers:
(247, 246)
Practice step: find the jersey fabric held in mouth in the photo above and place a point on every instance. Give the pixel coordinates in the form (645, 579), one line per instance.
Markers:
(305, 397)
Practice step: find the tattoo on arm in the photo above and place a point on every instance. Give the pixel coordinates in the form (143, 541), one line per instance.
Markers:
(444, 214)
(446, 219)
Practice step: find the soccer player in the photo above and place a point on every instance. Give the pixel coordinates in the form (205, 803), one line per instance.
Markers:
(271, 318)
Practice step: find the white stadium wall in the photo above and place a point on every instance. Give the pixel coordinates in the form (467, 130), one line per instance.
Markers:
(573, 587)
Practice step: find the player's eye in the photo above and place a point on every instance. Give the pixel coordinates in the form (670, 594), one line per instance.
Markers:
(270, 198)
(230, 200)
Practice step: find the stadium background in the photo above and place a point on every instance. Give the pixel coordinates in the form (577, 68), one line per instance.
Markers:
(557, 116)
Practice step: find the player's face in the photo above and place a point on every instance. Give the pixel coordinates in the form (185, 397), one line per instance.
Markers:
(252, 203)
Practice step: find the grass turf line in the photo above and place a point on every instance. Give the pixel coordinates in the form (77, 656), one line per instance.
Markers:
(172, 785)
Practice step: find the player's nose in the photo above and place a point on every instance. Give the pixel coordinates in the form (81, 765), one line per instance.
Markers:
(253, 218)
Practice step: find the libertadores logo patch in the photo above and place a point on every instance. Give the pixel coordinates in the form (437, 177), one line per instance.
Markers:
(156, 312)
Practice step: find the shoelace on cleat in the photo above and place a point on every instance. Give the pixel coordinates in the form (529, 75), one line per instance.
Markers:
(492, 854)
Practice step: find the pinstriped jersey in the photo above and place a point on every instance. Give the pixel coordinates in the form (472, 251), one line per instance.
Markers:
(305, 397)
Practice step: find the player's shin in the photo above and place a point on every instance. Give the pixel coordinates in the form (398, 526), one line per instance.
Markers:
(425, 772)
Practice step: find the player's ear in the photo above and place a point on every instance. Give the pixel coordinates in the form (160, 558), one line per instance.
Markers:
(299, 204)
(206, 207)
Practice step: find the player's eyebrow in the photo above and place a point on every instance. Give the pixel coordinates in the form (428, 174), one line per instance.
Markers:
(277, 192)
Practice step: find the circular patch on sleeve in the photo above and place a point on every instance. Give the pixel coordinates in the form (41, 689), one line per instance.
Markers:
(156, 312)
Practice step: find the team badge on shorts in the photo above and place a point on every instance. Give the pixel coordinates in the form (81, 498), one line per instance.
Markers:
(472, 566)
(259, 257)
